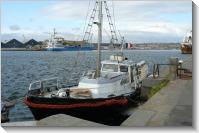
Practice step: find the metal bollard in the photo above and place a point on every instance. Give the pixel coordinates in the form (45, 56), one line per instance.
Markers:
(173, 61)
(179, 68)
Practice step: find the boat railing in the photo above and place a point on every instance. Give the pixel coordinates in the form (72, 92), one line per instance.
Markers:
(40, 83)
(90, 74)
(71, 83)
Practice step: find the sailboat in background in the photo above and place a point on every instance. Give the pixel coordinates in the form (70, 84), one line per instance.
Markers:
(115, 82)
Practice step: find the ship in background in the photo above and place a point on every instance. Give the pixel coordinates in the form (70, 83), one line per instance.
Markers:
(186, 45)
(57, 44)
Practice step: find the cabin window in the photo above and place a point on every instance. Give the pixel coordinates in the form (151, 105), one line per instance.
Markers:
(132, 76)
(139, 72)
(110, 67)
(124, 81)
(123, 68)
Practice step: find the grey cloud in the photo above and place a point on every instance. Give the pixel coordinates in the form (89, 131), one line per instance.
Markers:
(8, 36)
(150, 10)
(129, 15)
(142, 36)
(14, 27)
(130, 36)
(75, 10)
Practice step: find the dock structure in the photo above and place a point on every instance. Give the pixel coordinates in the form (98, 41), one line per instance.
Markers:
(59, 120)
(171, 106)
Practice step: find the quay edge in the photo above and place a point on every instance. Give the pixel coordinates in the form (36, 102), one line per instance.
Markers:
(168, 107)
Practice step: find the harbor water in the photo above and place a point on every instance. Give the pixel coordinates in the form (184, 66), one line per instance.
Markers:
(20, 68)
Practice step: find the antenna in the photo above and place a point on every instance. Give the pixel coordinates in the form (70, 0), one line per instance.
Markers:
(24, 39)
(122, 41)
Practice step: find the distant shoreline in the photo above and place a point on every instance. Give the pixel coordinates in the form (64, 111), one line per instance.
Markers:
(105, 46)
(24, 49)
(20, 49)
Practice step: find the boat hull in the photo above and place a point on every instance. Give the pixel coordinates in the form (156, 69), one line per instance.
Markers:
(44, 107)
(40, 113)
(70, 48)
(186, 49)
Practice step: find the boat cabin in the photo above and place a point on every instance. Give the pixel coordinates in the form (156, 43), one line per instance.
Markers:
(121, 65)
(116, 64)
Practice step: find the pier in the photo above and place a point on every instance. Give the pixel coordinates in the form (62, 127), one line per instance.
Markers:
(170, 106)
(59, 120)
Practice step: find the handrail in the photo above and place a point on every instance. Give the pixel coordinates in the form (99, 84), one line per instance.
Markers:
(40, 82)
(156, 68)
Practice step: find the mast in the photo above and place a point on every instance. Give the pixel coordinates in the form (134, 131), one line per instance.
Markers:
(99, 24)
(122, 43)
(54, 32)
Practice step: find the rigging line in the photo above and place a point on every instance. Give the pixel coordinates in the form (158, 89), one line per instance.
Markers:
(90, 23)
(109, 36)
(110, 22)
(112, 25)
(84, 25)
(113, 8)
(84, 28)
(86, 16)
(123, 41)
(120, 35)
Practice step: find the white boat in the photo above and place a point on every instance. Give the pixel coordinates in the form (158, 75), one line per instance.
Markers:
(115, 82)
(56, 44)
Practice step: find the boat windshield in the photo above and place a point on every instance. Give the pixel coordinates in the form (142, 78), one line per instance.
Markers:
(123, 68)
(110, 67)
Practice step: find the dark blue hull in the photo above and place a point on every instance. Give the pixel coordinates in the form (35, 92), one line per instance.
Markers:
(71, 48)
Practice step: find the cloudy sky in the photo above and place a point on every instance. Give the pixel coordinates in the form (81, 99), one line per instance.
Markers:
(137, 21)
